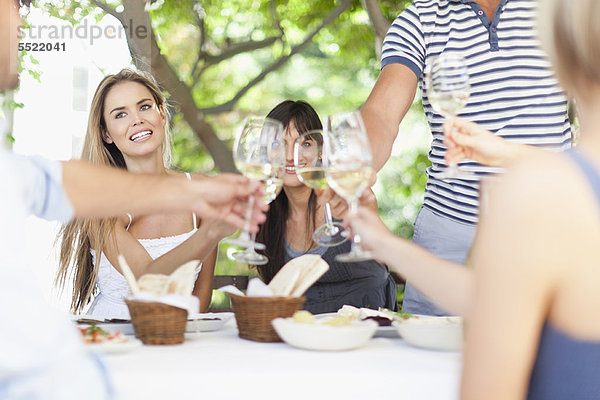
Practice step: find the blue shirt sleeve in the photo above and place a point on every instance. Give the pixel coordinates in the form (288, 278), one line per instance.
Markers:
(41, 187)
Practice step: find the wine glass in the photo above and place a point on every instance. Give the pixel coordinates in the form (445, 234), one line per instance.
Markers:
(259, 153)
(448, 90)
(308, 162)
(348, 167)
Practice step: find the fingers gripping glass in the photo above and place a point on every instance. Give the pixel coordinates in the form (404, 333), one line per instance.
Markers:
(259, 154)
(308, 162)
(348, 167)
(448, 90)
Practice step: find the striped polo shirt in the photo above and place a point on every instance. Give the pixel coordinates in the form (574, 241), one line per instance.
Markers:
(513, 90)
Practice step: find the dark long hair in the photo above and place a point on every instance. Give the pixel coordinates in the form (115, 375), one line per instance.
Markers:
(272, 232)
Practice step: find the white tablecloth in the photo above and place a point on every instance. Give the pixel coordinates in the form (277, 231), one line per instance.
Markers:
(220, 365)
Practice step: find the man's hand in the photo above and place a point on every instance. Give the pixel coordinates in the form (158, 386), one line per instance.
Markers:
(225, 197)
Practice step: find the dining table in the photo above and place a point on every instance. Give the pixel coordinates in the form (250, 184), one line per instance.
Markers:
(221, 365)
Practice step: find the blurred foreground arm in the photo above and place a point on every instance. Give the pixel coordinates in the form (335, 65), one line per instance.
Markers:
(96, 191)
(466, 139)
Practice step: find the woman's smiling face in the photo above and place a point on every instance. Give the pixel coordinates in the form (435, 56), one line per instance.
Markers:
(308, 154)
(134, 122)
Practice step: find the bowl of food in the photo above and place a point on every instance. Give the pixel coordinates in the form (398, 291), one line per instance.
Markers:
(331, 333)
(434, 333)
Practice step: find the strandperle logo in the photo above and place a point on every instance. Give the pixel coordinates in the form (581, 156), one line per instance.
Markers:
(83, 31)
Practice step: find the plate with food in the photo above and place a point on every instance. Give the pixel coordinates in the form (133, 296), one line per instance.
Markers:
(434, 333)
(207, 322)
(383, 317)
(105, 341)
(325, 333)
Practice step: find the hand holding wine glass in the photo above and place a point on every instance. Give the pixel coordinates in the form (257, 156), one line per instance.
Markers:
(308, 162)
(349, 167)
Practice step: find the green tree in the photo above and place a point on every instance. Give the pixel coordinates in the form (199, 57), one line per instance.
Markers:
(220, 60)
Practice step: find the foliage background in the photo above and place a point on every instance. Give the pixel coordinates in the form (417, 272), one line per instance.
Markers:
(334, 72)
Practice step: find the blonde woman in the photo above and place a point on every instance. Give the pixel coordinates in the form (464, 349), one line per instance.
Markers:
(532, 298)
(128, 128)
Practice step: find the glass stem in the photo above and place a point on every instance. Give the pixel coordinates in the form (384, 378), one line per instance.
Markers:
(328, 218)
(355, 247)
(245, 235)
(250, 248)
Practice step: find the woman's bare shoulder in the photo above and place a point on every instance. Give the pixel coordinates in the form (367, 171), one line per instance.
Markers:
(552, 177)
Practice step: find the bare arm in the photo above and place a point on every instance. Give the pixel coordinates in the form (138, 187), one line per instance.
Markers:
(466, 139)
(198, 247)
(385, 108)
(97, 191)
(430, 274)
(204, 283)
(517, 255)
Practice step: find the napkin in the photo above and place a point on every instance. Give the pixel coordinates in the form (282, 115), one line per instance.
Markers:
(256, 288)
(174, 289)
(298, 274)
(293, 279)
(189, 303)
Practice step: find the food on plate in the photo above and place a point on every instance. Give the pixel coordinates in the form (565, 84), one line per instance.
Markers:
(383, 316)
(340, 320)
(381, 321)
(297, 275)
(349, 311)
(304, 316)
(95, 334)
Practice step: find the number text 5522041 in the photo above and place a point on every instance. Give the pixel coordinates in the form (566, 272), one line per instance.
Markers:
(43, 46)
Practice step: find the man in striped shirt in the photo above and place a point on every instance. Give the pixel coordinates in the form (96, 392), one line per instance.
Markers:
(513, 94)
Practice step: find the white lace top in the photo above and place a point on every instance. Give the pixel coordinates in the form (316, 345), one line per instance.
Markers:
(113, 288)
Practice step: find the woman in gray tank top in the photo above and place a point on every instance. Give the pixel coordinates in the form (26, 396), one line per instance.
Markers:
(290, 224)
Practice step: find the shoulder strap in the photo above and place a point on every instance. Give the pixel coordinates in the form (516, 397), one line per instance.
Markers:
(193, 214)
(130, 221)
(588, 169)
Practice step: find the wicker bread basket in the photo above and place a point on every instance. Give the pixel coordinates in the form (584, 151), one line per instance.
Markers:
(157, 323)
(254, 315)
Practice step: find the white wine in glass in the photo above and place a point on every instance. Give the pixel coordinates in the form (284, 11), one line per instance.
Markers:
(349, 167)
(448, 90)
(258, 154)
(308, 162)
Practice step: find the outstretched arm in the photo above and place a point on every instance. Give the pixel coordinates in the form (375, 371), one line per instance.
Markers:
(385, 108)
(430, 274)
(97, 191)
(466, 139)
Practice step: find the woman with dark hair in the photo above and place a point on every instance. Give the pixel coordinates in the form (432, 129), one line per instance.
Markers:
(291, 222)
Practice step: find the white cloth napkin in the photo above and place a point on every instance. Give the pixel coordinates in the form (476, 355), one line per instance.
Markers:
(256, 288)
(189, 303)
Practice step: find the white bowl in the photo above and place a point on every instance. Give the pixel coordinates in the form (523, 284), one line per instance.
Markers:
(324, 337)
(436, 333)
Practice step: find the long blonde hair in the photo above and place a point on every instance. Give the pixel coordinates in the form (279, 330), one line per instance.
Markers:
(81, 235)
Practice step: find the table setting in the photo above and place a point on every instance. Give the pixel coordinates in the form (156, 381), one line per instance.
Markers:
(337, 355)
